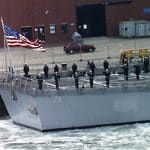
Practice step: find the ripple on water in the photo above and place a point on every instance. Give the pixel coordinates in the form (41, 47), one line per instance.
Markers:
(125, 137)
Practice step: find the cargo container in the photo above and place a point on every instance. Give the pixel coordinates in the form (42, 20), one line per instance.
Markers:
(127, 29)
(137, 28)
(148, 29)
(140, 28)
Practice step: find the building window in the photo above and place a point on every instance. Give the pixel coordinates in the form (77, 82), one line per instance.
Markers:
(64, 28)
(52, 28)
(41, 32)
(146, 10)
(27, 32)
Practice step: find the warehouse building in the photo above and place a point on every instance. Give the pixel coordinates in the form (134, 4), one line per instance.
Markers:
(54, 21)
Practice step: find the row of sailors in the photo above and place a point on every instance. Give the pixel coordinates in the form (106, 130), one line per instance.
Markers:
(145, 63)
(76, 79)
(91, 73)
(90, 66)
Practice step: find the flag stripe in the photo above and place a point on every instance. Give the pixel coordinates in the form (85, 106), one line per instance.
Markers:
(15, 39)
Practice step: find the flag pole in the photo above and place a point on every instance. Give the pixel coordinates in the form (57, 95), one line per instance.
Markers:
(10, 60)
(6, 67)
(24, 56)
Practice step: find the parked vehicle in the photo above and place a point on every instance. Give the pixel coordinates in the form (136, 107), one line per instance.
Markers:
(73, 47)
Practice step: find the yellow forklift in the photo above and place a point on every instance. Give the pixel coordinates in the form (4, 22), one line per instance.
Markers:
(134, 55)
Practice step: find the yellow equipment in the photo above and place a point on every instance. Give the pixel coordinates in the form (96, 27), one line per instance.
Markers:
(126, 54)
(143, 52)
(134, 54)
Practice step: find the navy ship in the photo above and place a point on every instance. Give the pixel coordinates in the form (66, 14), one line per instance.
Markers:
(69, 105)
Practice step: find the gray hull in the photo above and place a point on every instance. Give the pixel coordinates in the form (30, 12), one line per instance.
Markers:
(78, 108)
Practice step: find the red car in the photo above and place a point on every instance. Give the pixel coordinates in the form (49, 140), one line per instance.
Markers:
(71, 48)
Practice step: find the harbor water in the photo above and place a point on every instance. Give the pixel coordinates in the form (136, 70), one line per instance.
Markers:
(121, 137)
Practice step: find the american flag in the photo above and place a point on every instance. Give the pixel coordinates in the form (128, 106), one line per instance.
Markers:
(15, 39)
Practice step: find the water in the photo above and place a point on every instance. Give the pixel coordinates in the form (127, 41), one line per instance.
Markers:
(125, 137)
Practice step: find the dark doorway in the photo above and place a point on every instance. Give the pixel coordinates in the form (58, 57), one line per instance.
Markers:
(91, 20)
(41, 33)
(27, 32)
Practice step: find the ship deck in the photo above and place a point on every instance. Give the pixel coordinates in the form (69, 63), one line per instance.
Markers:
(30, 85)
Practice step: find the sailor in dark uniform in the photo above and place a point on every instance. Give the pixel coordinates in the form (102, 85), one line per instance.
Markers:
(76, 79)
(56, 77)
(146, 64)
(137, 71)
(88, 65)
(91, 78)
(26, 70)
(92, 67)
(45, 70)
(56, 68)
(125, 60)
(105, 64)
(74, 68)
(107, 77)
(40, 81)
(126, 71)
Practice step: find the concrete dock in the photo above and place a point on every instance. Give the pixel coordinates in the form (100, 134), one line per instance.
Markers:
(105, 48)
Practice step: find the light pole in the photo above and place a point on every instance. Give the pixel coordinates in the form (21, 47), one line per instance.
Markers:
(121, 47)
(80, 42)
(108, 51)
(53, 61)
(134, 44)
(24, 56)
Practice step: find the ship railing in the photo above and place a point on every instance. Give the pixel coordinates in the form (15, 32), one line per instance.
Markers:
(5, 85)
(113, 84)
(30, 85)
(68, 82)
(15, 82)
(132, 82)
(5, 81)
